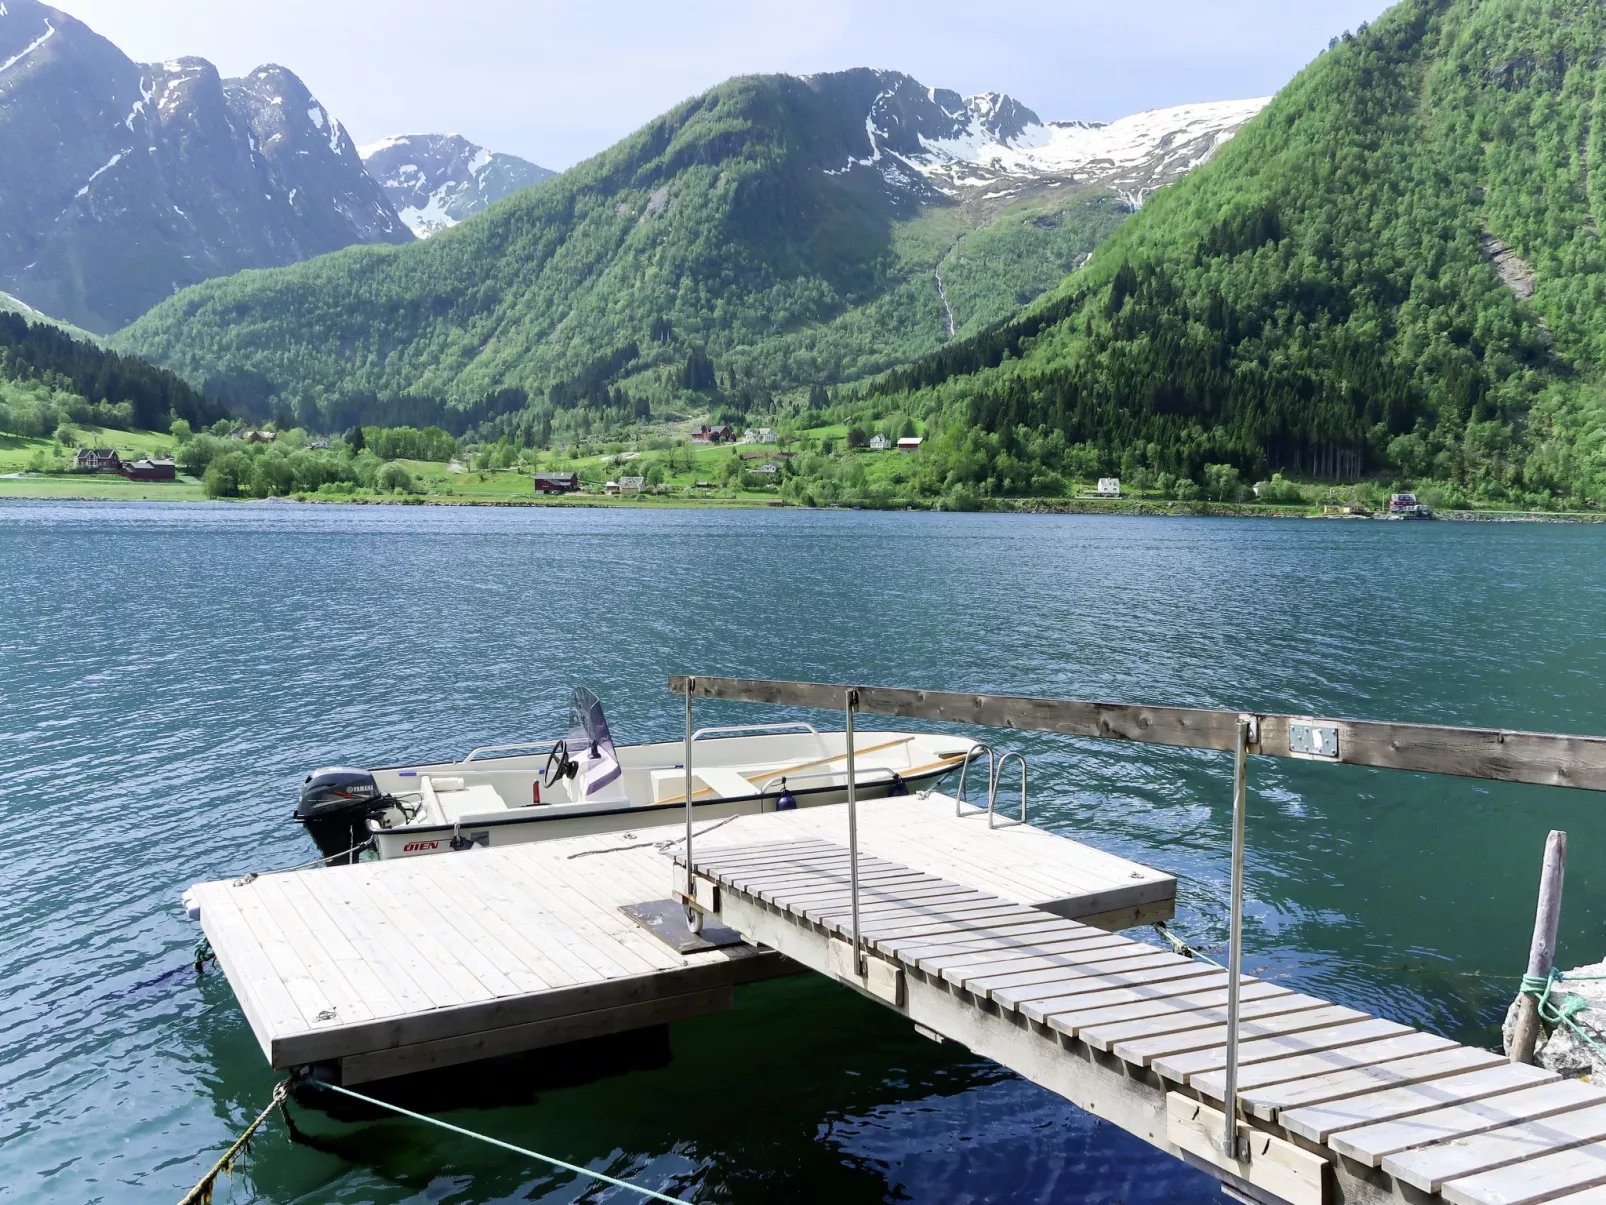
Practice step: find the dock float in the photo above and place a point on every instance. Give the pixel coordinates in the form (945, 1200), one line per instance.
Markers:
(386, 968)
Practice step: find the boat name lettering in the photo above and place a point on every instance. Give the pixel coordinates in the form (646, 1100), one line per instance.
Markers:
(413, 847)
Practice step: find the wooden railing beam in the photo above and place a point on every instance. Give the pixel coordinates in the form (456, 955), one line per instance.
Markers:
(1503, 755)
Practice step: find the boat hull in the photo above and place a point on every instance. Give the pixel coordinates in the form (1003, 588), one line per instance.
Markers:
(419, 841)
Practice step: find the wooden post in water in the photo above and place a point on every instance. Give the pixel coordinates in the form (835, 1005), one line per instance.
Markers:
(1542, 950)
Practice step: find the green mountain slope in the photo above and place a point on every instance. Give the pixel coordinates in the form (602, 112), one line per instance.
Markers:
(726, 227)
(48, 377)
(1395, 268)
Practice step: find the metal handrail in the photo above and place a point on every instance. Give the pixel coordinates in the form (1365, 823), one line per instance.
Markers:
(784, 778)
(473, 753)
(992, 794)
(960, 802)
(702, 732)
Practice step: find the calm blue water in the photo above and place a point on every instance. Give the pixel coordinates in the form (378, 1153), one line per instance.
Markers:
(167, 673)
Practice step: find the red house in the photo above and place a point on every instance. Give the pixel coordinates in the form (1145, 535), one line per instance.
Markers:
(713, 435)
(149, 470)
(557, 483)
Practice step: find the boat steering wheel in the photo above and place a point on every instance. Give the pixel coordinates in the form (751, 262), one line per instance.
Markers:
(558, 765)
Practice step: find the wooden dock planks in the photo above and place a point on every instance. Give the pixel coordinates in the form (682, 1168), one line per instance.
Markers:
(393, 966)
(1432, 1115)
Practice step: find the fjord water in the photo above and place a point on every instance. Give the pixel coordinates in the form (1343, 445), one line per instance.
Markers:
(168, 672)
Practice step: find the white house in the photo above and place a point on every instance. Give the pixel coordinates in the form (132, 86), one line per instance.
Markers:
(769, 468)
(759, 435)
(879, 443)
(910, 443)
(1108, 487)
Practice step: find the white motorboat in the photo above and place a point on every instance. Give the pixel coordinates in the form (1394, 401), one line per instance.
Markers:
(583, 783)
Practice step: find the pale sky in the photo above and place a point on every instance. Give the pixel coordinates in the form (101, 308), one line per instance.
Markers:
(557, 83)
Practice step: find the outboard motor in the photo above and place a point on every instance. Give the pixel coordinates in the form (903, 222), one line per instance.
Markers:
(335, 805)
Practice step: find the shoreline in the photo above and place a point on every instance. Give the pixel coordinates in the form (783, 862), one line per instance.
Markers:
(1140, 507)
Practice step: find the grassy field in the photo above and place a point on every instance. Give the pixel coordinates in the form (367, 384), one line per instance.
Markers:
(19, 455)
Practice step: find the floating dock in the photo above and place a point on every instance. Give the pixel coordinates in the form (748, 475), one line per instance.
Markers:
(386, 968)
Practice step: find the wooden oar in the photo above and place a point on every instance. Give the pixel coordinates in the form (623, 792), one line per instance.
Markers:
(767, 775)
(753, 778)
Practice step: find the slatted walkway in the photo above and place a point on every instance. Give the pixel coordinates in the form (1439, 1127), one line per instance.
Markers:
(1334, 1096)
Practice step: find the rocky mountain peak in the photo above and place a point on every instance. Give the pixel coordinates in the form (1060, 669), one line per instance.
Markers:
(437, 180)
(127, 181)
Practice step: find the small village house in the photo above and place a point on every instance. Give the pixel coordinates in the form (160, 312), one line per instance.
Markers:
(97, 460)
(879, 443)
(557, 483)
(910, 443)
(759, 435)
(707, 435)
(632, 485)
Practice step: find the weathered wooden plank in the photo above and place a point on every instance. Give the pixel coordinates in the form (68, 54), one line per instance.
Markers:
(325, 969)
(267, 1005)
(1137, 1004)
(978, 955)
(1106, 1035)
(1290, 1067)
(1020, 997)
(1430, 1167)
(1328, 1023)
(1048, 979)
(1268, 1102)
(1035, 931)
(1334, 1121)
(1300, 1054)
(957, 967)
(1534, 1180)
(1452, 1119)
(1549, 759)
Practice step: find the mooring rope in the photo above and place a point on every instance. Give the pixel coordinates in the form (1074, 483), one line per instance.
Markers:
(1181, 945)
(257, 874)
(1562, 1011)
(201, 1194)
(506, 1146)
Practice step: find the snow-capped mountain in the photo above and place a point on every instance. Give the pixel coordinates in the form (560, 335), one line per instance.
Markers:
(126, 181)
(992, 147)
(437, 180)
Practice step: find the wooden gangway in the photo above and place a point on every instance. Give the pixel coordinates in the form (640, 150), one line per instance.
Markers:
(1282, 1096)
(1339, 1105)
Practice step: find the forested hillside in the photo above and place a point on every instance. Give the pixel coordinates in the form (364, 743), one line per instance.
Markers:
(762, 238)
(47, 378)
(1396, 269)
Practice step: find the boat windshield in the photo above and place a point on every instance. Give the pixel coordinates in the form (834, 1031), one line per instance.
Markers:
(589, 738)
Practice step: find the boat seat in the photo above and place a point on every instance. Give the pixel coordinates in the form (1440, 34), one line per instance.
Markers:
(722, 781)
(455, 801)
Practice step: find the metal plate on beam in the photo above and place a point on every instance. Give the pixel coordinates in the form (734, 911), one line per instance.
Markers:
(1311, 738)
(666, 920)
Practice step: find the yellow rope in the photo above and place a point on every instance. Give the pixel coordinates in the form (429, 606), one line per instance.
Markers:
(201, 1194)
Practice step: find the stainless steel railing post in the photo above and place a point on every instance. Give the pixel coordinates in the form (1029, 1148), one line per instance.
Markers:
(1230, 1144)
(850, 705)
(694, 917)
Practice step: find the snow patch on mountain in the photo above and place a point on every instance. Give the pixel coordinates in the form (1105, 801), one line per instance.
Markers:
(50, 32)
(1127, 154)
(436, 181)
(989, 146)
